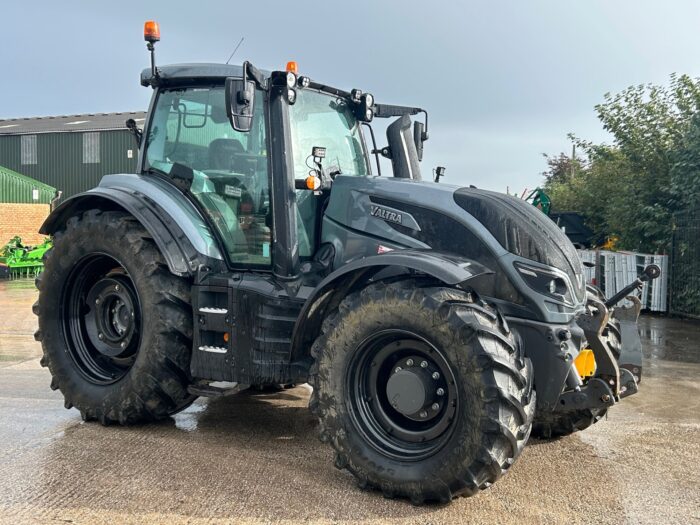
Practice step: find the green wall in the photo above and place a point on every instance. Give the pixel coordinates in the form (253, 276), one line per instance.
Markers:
(60, 159)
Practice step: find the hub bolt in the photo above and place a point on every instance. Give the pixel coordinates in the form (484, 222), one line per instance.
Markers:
(100, 336)
(123, 345)
(423, 413)
(117, 288)
(97, 301)
(440, 391)
(424, 364)
(409, 362)
(397, 370)
(436, 375)
(435, 406)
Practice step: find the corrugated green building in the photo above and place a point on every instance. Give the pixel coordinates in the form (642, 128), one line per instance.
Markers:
(70, 153)
(15, 188)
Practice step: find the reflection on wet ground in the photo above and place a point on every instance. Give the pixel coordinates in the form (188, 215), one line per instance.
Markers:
(255, 457)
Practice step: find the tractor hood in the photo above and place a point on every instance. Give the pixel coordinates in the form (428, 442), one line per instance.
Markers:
(523, 230)
(491, 228)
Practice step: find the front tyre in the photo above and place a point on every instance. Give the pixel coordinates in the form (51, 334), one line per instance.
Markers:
(423, 392)
(114, 324)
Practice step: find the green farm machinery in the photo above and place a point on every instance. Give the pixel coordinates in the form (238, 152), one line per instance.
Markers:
(18, 260)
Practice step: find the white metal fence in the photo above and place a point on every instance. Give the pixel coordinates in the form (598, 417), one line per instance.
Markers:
(618, 269)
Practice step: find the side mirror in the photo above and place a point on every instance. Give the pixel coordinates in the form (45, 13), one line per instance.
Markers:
(240, 100)
(419, 137)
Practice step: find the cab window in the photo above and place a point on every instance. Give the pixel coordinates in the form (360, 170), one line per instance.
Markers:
(318, 119)
(231, 174)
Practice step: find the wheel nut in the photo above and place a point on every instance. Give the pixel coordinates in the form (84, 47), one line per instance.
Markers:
(123, 345)
(409, 362)
(97, 301)
(435, 406)
(436, 375)
(424, 364)
(100, 336)
(440, 392)
(423, 413)
(117, 288)
(397, 370)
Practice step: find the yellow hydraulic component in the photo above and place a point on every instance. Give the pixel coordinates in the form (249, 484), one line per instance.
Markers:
(585, 363)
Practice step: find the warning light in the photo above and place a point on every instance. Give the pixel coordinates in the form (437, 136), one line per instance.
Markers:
(151, 31)
(292, 67)
(313, 182)
(226, 337)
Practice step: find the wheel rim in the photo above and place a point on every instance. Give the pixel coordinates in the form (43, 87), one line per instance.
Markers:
(101, 313)
(401, 394)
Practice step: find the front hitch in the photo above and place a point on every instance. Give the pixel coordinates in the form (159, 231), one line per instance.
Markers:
(618, 367)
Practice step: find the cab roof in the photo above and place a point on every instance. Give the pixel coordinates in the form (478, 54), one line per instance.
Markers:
(182, 73)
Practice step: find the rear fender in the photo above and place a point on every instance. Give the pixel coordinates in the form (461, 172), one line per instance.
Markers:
(452, 270)
(173, 222)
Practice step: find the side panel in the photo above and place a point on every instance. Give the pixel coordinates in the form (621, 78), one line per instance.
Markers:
(259, 316)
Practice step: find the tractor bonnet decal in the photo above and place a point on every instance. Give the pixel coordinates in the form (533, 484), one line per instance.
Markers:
(386, 214)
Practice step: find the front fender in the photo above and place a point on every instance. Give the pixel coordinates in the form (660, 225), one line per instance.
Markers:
(450, 269)
(173, 222)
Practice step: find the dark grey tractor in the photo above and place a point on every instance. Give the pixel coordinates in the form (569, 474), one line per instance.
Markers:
(258, 245)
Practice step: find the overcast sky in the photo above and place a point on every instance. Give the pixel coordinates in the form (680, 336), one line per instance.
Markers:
(504, 81)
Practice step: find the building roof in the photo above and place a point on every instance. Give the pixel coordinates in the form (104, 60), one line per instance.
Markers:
(70, 123)
(15, 187)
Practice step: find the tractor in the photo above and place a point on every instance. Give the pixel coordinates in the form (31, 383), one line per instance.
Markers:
(259, 244)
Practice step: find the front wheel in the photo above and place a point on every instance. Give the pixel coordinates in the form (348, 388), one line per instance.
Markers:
(423, 392)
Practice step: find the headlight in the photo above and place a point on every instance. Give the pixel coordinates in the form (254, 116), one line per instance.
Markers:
(291, 96)
(546, 282)
(369, 99)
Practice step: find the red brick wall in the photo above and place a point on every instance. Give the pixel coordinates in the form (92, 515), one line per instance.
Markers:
(23, 220)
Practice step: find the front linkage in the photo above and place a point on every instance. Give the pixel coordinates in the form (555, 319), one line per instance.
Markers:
(618, 356)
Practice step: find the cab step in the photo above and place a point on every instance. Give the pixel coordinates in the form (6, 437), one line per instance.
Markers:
(216, 389)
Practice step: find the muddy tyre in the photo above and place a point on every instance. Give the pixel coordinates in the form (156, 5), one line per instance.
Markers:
(423, 392)
(114, 324)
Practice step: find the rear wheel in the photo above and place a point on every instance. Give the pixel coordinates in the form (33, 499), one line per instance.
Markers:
(423, 392)
(115, 325)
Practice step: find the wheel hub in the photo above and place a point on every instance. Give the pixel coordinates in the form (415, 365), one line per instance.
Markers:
(403, 394)
(111, 322)
(415, 389)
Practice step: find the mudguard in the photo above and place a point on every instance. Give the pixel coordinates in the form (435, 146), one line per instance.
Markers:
(176, 226)
(450, 269)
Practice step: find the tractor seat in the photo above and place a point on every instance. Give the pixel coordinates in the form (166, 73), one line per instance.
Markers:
(227, 155)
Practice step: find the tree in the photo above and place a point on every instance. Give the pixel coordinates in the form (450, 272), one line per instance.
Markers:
(632, 187)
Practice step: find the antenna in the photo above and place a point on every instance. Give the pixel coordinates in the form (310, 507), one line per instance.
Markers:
(236, 49)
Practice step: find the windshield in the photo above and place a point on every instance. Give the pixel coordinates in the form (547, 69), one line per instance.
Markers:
(190, 126)
(322, 120)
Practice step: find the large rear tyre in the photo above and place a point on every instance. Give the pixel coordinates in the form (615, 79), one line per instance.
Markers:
(424, 393)
(114, 324)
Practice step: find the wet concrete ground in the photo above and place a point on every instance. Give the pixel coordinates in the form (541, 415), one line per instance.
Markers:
(255, 458)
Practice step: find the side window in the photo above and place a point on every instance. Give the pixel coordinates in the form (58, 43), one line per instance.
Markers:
(322, 120)
(231, 179)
